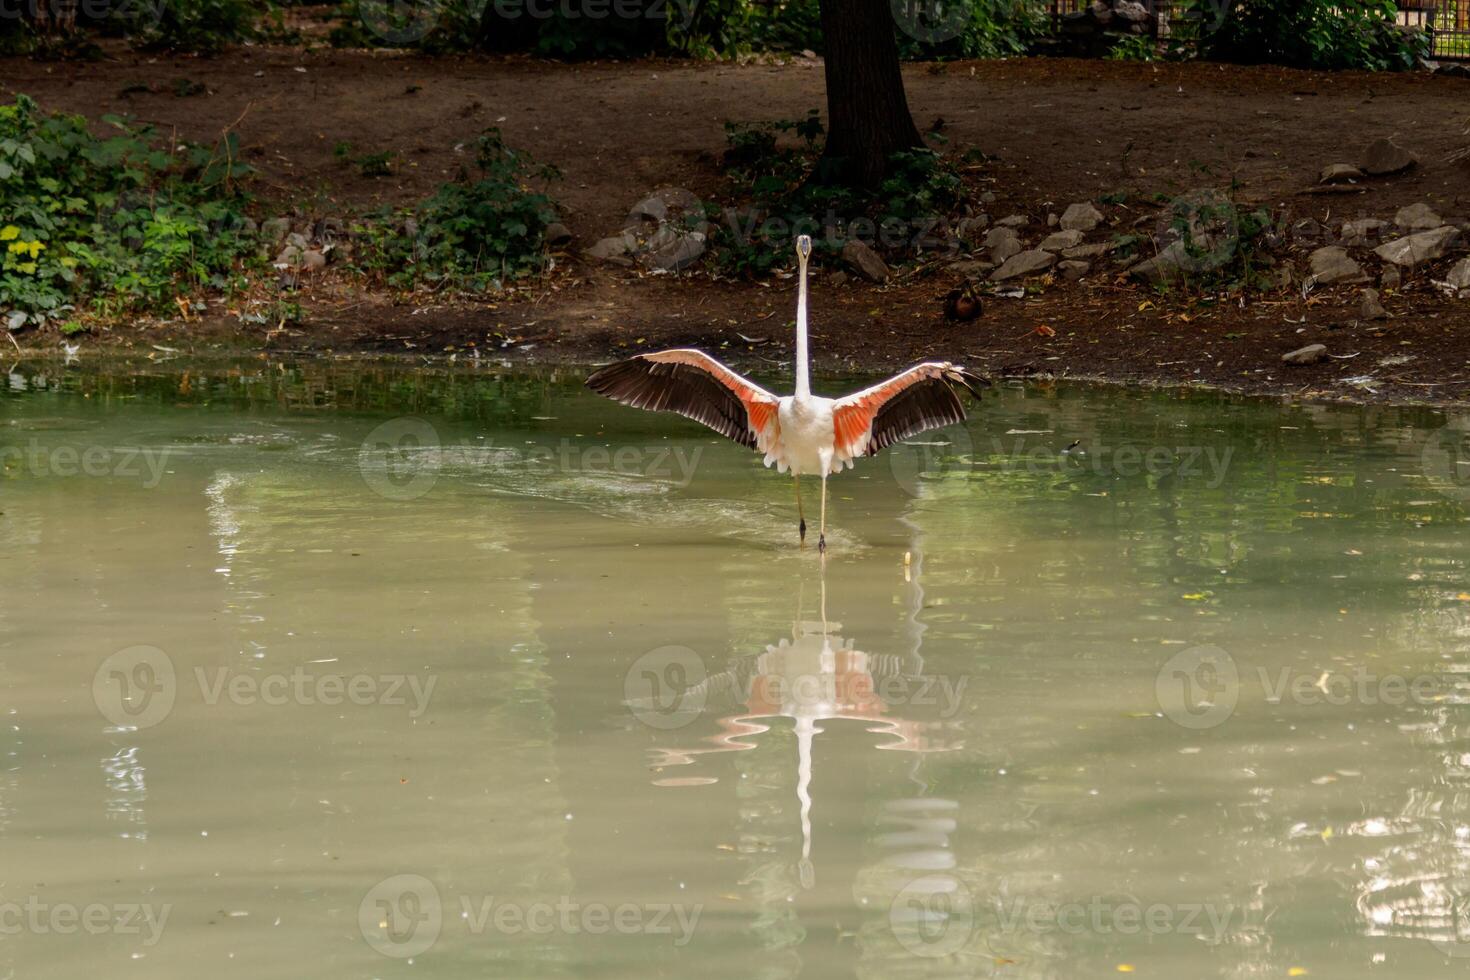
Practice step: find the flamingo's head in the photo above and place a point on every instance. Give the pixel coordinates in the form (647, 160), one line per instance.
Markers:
(803, 247)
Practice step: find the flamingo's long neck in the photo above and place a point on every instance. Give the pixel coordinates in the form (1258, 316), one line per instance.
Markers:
(803, 381)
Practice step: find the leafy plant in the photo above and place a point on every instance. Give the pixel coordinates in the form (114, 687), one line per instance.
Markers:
(475, 234)
(199, 26)
(119, 222)
(1133, 47)
(1328, 34)
(368, 164)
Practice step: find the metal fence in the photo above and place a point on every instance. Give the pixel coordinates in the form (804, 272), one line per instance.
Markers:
(1447, 22)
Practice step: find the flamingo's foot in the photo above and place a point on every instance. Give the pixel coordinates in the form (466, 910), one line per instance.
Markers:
(801, 529)
(822, 543)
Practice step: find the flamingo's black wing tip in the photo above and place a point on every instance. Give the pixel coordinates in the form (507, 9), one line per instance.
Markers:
(971, 381)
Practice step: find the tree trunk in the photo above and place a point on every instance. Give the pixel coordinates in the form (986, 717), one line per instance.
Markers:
(867, 111)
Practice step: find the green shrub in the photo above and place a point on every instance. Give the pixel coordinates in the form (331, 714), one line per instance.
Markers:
(66, 31)
(476, 234)
(1324, 34)
(200, 26)
(121, 222)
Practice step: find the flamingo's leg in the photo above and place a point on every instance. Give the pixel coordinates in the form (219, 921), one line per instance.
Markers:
(800, 516)
(822, 532)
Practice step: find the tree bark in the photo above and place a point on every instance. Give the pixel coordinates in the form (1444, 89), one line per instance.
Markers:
(867, 111)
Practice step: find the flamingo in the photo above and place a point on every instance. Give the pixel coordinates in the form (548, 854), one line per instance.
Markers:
(803, 433)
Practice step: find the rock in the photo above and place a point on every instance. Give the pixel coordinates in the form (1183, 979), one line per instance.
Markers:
(1087, 251)
(312, 260)
(1372, 307)
(1003, 243)
(1169, 263)
(612, 249)
(1131, 11)
(1072, 269)
(1013, 221)
(1081, 217)
(1420, 247)
(1391, 278)
(987, 197)
(1311, 354)
(558, 234)
(1384, 157)
(1059, 240)
(1417, 217)
(290, 256)
(273, 230)
(1332, 264)
(1052, 220)
(1363, 231)
(1340, 173)
(677, 252)
(298, 239)
(839, 278)
(1459, 276)
(248, 227)
(971, 268)
(1101, 12)
(1026, 263)
(971, 230)
(865, 261)
(654, 207)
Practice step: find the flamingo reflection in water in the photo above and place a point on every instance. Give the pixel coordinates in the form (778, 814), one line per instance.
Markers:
(815, 676)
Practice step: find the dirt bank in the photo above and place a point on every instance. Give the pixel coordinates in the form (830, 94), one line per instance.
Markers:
(1054, 132)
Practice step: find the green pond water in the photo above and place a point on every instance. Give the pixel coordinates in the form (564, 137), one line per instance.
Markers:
(330, 670)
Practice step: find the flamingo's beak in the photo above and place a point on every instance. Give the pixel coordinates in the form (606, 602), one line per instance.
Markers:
(803, 247)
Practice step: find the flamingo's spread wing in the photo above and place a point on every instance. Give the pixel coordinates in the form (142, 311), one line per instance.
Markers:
(923, 397)
(696, 386)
